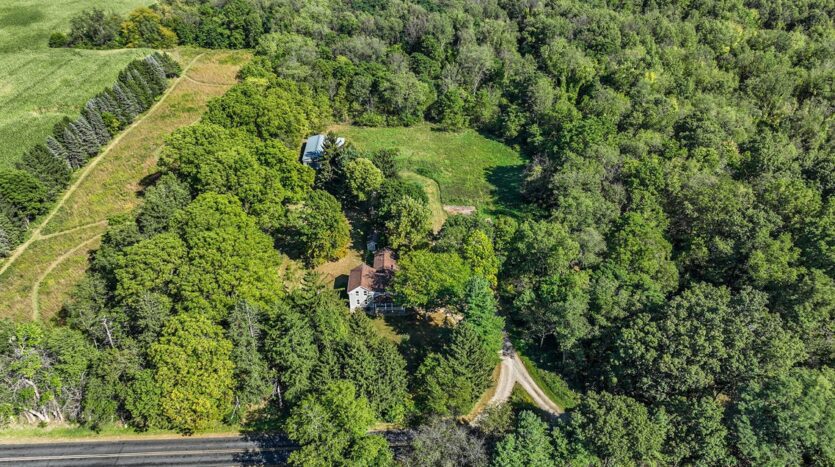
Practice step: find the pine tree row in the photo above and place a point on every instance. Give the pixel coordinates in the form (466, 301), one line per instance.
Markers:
(45, 169)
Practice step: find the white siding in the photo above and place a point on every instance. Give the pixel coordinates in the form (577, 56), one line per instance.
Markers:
(360, 298)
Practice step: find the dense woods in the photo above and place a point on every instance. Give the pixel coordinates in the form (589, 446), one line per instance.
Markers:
(674, 260)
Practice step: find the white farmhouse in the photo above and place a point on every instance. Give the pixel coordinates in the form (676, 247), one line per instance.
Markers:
(367, 285)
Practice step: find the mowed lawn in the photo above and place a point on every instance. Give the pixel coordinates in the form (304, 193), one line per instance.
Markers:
(39, 85)
(470, 169)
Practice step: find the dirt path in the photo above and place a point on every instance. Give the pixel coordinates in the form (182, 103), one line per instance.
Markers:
(64, 232)
(513, 372)
(36, 233)
(36, 309)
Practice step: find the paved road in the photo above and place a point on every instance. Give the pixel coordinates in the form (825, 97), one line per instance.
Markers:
(211, 451)
(271, 450)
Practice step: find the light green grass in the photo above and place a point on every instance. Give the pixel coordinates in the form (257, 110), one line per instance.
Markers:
(433, 192)
(470, 169)
(552, 385)
(67, 432)
(39, 85)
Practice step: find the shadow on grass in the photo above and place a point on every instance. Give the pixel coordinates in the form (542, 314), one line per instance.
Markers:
(420, 337)
(507, 181)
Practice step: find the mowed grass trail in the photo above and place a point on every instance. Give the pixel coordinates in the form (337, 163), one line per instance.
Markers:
(39, 85)
(470, 169)
(39, 281)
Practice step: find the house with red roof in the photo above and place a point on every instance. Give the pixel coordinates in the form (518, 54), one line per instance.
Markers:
(367, 285)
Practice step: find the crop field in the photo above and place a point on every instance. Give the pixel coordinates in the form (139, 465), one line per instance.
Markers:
(39, 85)
(469, 168)
(39, 281)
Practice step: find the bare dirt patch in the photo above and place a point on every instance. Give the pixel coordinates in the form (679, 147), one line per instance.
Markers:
(452, 209)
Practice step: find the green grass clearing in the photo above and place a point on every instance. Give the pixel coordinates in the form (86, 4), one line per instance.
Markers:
(41, 85)
(54, 433)
(433, 192)
(470, 169)
(415, 335)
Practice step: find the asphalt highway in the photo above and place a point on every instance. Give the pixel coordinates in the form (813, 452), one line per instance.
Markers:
(272, 450)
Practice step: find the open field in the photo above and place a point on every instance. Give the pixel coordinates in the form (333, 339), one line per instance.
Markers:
(40, 85)
(36, 283)
(469, 168)
(433, 191)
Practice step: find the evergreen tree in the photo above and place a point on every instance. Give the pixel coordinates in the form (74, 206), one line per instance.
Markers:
(126, 102)
(162, 201)
(291, 350)
(6, 244)
(451, 383)
(96, 123)
(332, 428)
(480, 312)
(53, 172)
(253, 379)
(528, 446)
(87, 135)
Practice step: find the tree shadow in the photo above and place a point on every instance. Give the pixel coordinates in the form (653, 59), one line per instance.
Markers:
(507, 181)
(420, 337)
(149, 180)
(269, 445)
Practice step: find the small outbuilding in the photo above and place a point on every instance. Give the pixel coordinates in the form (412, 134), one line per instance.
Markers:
(314, 147)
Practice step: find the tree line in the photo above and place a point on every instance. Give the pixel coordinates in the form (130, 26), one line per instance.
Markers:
(233, 24)
(44, 171)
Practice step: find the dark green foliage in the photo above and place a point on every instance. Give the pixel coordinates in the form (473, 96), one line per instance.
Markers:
(317, 230)
(312, 340)
(94, 29)
(451, 382)
(51, 171)
(619, 430)
(675, 246)
(283, 110)
(787, 419)
(162, 202)
(253, 378)
(441, 442)
(58, 39)
(705, 341)
(22, 196)
(529, 445)
(332, 428)
(480, 310)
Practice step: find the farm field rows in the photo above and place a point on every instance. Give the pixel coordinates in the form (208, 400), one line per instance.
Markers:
(40, 85)
(39, 281)
(469, 168)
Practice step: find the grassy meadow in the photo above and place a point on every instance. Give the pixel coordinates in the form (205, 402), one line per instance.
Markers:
(39, 85)
(37, 284)
(469, 168)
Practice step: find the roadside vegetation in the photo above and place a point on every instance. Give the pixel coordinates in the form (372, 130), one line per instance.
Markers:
(666, 248)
